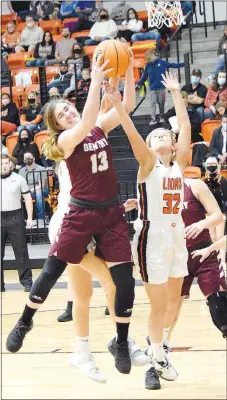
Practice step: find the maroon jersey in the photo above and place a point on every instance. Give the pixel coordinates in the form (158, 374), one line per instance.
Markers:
(91, 170)
(193, 211)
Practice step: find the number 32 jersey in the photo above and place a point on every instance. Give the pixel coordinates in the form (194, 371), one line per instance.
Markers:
(91, 170)
(161, 195)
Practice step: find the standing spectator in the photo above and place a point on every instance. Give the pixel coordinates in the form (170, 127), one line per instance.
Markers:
(37, 183)
(11, 38)
(187, 6)
(196, 91)
(25, 144)
(42, 10)
(9, 114)
(119, 12)
(218, 144)
(222, 46)
(61, 80)
(31, 114)
(154, 70)
(6, 8)
(68, 9)
(30, 36)
(44, 51)
(129, 26)
(102, 30)
(13, 226)
(79, 58)
(63, 48)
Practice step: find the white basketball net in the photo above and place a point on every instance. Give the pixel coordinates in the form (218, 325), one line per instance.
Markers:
(164, 13)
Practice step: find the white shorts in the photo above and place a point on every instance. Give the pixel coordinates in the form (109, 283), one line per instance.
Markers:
(159, 251)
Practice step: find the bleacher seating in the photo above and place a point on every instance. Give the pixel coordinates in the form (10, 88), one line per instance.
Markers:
(11, 142)
(208, 127)
(40, 138)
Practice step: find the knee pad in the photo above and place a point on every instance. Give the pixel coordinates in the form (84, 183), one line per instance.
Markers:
(122, 276)
(217, 303)
(52, 270)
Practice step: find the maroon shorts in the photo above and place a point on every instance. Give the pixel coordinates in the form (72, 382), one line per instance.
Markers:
(210, 275)
(108, 227)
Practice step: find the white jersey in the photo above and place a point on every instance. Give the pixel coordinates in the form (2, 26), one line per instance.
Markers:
(161, 195)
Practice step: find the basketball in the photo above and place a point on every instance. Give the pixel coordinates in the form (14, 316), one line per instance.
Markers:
(118, 54)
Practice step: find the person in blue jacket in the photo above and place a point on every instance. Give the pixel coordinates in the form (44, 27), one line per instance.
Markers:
(153, 72)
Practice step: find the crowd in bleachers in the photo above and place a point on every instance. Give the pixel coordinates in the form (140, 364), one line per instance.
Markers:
(61, 36)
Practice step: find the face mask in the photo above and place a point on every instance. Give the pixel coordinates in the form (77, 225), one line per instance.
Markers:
(25, 140)
(28, 161)
(77, 51)
(194, 80)
(31, 101)
(5, 102)
(63, 72)
(221, 81)
(30, 24)
(55, 97)
(132, 16)
(224, 126)
(212, 169)
(103, 16)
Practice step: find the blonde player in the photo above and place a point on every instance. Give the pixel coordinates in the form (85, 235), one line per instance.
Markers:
(159, 246)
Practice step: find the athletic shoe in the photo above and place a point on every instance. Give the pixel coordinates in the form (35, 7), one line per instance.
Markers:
(153, 122)
(122, 358)
(16, 337)
(152, 381)
(107, 311)
(168, 350)
(138, 357)
(86, 364)
(66, 316)
(165, 370)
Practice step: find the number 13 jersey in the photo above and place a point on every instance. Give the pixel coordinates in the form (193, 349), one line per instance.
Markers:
(161, 195)
(91, 170)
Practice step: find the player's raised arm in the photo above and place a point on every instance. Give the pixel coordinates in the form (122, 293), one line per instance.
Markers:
(184, 139)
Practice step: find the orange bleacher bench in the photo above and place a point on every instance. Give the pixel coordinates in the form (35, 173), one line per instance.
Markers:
(208, 127)
(18, 59)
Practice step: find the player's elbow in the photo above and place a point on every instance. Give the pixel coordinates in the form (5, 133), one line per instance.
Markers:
(129, 107)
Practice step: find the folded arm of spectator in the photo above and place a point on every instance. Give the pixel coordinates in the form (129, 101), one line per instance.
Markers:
(194, 99)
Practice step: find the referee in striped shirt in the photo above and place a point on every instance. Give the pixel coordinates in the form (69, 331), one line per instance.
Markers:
(13, 226)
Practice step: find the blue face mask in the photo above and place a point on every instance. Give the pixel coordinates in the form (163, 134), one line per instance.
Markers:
(221, 81)
(194, 80)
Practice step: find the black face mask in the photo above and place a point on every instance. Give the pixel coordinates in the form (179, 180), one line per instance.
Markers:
(103, 16)
(77, 51)
(28, 161)
(63, 72)
(25, 140)
(31, 101)
(212, 169)
(55, 97)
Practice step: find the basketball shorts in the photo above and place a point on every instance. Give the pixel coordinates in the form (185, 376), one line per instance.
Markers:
(159, 251)
(108, 227)
(210, 275)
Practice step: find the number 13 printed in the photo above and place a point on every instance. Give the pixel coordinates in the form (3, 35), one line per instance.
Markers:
(97, 165)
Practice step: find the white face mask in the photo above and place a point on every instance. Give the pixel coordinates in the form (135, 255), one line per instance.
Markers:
(5, 102)
(30, 24)
(221, 81)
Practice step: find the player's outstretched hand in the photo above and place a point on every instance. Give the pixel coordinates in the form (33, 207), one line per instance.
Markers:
(99, 72)
(203, 253)
(112, 93)
(170, 81)
(130, 205)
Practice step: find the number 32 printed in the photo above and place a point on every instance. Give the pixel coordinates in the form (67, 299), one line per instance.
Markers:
(99, 162)
(172, 203)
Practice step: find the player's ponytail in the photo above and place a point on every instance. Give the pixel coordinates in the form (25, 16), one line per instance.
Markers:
(51, 149)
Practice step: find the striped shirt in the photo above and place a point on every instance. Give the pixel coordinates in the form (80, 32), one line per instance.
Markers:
(12, 189)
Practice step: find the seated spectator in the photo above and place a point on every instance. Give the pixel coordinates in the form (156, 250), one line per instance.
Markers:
(11, 38)
(30, 115)
(119, 12)
(61, 80)
(22, 8)
(85, 7)
(221, 109)
(222, 45)
(54, 94)
(25, 144)
(216, 91)
(68, 9)
(79, 58)
(63, 48)
(85, 19)
(196, 91)
(154, 70)
(9, 114)
(83, 89)
(193, 117)
(222, 82)
(102, 30)
(42, 10)
(218, 144)
(37, 183)
(129, 26)
(95, 14)
(44, 51)
(30, 36)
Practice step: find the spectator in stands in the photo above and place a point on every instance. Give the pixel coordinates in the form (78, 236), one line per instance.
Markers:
(11, 38)
(196, 91)
(68, 9)
(129, 26)
(63, 48)
(22, 8)
(154, 70)
(54, 94)
(44, 51)
(193, 117)
(25, 144)
(85, 7)
(217, 90)
(12, 221)
(79, 58)
(6, 8)
(30, 115)
(221, 109)
(222, 83)
(218, 144)
(102, 30)
(30, 36)
(222, 46)
(37, 183)
(187, 6)
(9, 114)
(4, 73)
(63, 79)
(42, 10)
(86, 18)
(95, 14)
(119, 12)
(82, 90)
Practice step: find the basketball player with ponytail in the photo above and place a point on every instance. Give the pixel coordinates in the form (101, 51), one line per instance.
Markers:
(94, 211)
(159, 247)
